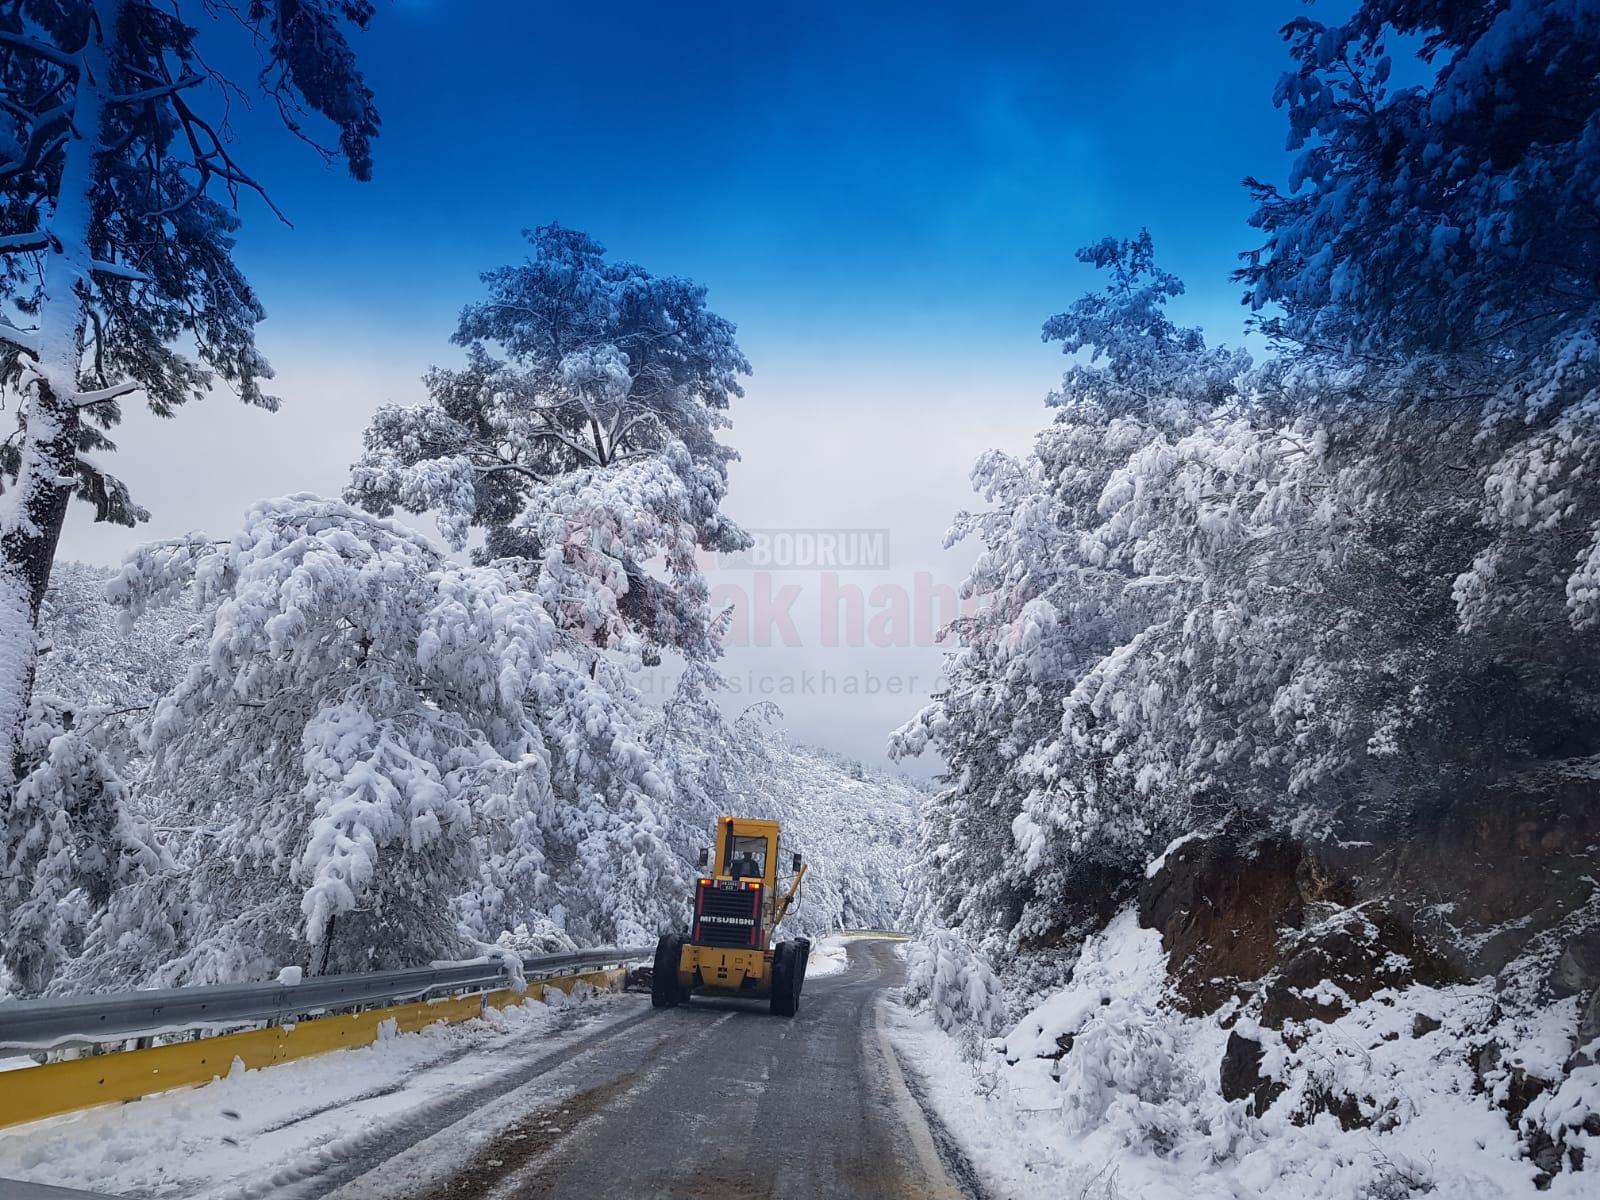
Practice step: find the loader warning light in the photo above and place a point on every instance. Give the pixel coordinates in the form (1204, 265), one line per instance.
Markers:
(753, 885)
(705, 883)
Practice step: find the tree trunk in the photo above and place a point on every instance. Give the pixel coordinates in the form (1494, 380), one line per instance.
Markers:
(36, 506)
(327, 944)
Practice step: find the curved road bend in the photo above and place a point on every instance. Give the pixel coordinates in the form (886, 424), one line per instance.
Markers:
(713, 1099)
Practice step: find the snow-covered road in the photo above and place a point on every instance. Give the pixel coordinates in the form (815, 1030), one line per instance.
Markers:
(599, 1097)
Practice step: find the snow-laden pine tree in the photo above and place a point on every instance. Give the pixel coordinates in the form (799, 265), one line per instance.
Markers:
(118, 181)
(1014, 821)
(581, 438)
(1433, 260)
(378, 744)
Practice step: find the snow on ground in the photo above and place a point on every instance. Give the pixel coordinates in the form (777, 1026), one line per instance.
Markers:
(1134, 1108)
(828, 957)
(282, 1122)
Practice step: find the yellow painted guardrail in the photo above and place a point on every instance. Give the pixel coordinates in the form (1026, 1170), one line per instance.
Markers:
(32, 1093)
(872, 933)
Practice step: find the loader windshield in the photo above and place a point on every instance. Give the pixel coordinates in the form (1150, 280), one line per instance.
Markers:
(748, 858)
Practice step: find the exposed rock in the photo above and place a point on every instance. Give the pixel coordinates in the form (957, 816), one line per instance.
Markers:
(1588, 1026)
(1493, 866)
(1242, 1077)
(1522, 1089)
(1345, 1108)
(1487, 881)
(1577, 970)
(1545, 1152)
(1344, 960)
(1220, 906)
(1461, 891)
(1485, 1060)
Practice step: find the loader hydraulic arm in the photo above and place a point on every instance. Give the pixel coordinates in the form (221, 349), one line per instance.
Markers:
(781, 908)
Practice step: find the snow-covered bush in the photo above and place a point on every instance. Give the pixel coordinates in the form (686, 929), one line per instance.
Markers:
(955, 984)
(1111, 1056)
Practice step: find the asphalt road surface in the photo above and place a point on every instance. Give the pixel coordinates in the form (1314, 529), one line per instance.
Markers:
(711, 1099)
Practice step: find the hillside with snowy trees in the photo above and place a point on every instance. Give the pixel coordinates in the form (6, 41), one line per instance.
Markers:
(321, 739)
(1264, 853)
(1272, 746)
(326, 742)
(453, 840)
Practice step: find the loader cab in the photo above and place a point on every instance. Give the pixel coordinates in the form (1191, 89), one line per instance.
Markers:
(747, 859)
(746, 849)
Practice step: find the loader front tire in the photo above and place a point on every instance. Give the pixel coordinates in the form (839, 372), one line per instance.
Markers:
(664, 989)
(785, 981)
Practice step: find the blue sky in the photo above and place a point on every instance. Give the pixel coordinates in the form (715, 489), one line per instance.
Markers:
(841, 172)
(885, 198)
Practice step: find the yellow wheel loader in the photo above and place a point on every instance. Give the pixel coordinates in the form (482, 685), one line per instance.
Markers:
(739, 900)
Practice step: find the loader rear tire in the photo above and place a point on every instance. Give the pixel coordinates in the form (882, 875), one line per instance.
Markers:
(664, 989)
(785, 981)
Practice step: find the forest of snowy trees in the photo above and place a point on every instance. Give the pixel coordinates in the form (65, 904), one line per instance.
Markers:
(414, 819)
(1343, 578)
(321, 740)
(1271, 745)
(1264, 839)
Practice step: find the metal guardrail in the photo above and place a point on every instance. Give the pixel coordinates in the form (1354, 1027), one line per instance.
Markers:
(113, 1016)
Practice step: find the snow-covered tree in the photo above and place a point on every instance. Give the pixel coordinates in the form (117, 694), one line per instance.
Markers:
(1435, 264)
(68, 843)
(76, 834)
(118, 179)
(366, 707)
(1055, 600)
(90, 658)
(581, 438)
(1458, 208)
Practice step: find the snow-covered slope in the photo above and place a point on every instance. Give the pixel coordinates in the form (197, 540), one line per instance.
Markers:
(1105, 1089)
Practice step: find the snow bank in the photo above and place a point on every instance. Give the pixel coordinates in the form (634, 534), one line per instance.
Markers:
(955, 984)
(1103, 1090)
(829, 956)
